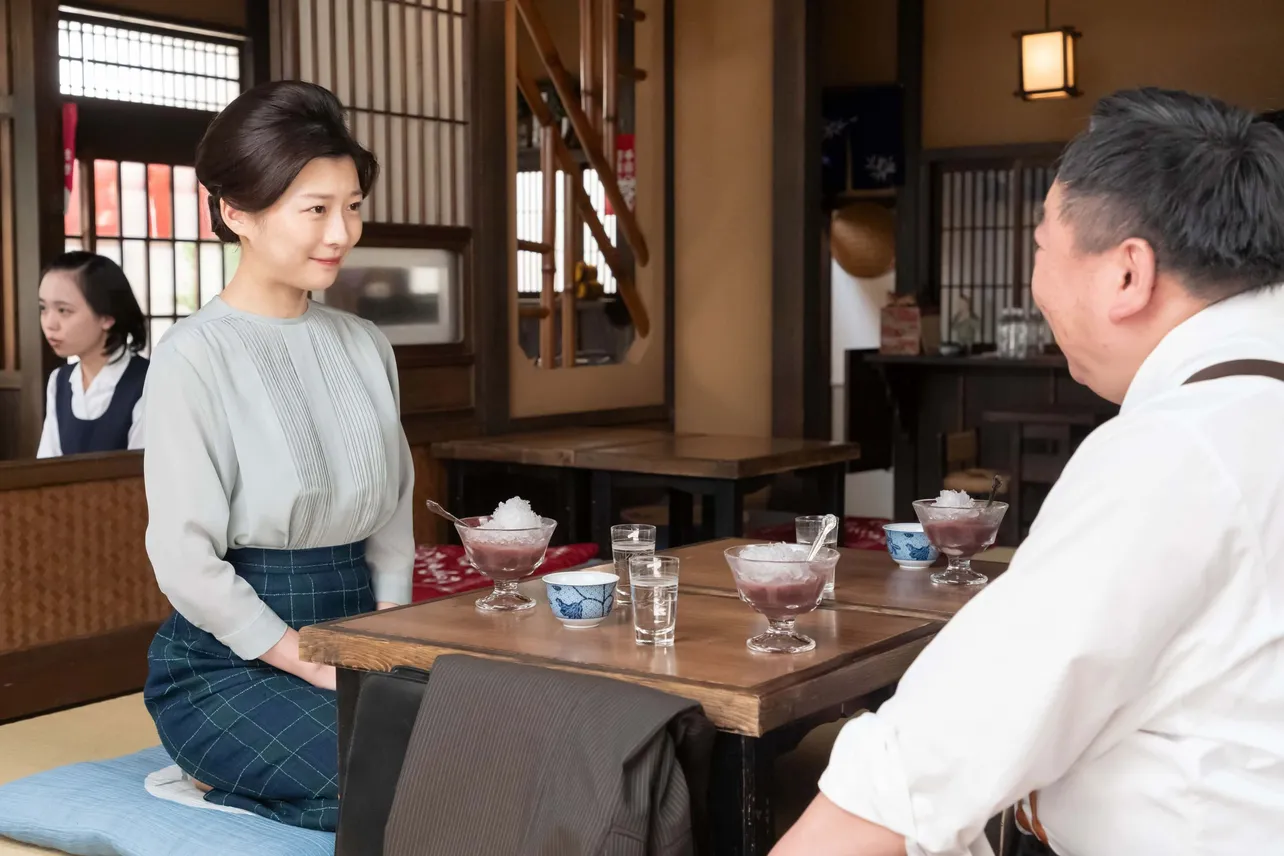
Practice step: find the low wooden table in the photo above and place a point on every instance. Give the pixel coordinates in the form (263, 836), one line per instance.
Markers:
(761, 704)
(598, 461)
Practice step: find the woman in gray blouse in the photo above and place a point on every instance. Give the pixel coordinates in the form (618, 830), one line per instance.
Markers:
(278, 475)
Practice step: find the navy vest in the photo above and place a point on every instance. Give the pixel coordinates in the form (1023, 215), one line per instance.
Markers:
(109, 432)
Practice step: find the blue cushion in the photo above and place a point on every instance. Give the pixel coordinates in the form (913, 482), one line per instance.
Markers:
(101, 808)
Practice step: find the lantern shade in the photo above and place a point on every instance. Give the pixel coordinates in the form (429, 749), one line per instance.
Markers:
(1046, 64)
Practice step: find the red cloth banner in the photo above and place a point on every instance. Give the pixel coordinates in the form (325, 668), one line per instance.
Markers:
(69, 116)
(626, 170)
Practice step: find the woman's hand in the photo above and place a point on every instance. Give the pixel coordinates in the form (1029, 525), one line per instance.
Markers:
(284, 655)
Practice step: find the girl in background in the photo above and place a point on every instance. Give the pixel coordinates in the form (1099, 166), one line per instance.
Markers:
(90, 317)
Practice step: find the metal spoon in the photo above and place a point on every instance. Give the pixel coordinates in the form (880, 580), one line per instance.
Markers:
(994, 488)
(435, 508)
(829, 524)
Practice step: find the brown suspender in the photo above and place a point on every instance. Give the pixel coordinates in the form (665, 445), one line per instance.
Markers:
(1240, 368)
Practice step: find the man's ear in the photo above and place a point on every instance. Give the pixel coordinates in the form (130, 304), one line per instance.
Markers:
(1135, 272)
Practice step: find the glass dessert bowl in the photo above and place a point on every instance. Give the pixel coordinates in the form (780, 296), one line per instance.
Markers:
(960, 527)
(507, 547)
(780, 584)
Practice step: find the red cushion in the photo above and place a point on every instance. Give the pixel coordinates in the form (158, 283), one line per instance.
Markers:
(861, 533)
(442, 570)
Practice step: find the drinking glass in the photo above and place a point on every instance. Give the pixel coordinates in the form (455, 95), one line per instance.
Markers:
(629, 540)
(805, 530)
(960, 533)
(507, 556)
(654, 580)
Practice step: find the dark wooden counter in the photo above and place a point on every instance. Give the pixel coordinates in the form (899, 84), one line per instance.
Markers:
(926, 397)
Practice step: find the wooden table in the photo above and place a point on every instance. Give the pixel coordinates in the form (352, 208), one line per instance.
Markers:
(596, 462)
(762, 704)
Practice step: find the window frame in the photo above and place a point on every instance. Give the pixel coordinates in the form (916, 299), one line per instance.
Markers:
(1021, 162)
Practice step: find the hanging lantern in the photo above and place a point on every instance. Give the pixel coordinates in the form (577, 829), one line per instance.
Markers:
(1046, 63)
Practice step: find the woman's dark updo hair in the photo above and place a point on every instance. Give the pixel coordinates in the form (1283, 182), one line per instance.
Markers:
(107, 291)
(259, 144)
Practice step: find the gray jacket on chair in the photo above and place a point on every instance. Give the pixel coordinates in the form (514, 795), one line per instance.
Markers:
(514, 760)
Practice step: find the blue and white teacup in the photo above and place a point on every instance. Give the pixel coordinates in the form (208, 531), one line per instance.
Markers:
(909, 547)
(581, 598)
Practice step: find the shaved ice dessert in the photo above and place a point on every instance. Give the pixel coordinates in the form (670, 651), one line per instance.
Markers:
(779, 582)
(960, 527)
(507, 546)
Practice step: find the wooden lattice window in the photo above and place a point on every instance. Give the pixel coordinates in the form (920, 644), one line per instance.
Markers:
(398, 67)
(984, 213)
(120, 58)
(151, 217)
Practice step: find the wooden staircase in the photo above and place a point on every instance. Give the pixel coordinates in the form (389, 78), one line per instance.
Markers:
(592, 110)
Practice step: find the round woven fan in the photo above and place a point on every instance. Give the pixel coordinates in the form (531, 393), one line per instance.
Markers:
(862, 239)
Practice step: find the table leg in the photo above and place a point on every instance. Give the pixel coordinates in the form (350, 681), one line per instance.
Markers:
(681, 521)
(602, 515)
(348, 684)
(741, 818)
(572, 490)
(729, 519)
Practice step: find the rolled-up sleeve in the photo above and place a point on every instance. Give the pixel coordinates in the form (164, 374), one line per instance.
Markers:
(1055, 657)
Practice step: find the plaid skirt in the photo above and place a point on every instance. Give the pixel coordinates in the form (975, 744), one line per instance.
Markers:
(264, 740)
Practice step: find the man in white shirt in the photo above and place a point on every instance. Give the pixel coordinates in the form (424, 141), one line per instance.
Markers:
(1124, 680)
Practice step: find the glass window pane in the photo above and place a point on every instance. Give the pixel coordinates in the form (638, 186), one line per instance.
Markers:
(211, 271)
(186, 201)
(106, 198)
(187, 268)
(133, 200)
(111, 249)
(72, 244)
(135, 265)
(162, 275)
(121, 63)
(159, 201)
(156, 330)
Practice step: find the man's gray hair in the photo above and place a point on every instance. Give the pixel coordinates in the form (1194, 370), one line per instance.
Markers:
(1200, 180)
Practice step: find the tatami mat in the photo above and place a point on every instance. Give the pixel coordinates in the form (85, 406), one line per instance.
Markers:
(91, 733)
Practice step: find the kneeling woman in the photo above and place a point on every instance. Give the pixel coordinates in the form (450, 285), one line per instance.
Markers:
(278, 475)
(89, 313)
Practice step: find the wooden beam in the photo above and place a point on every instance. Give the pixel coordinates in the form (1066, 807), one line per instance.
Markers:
(610, 254)
(547, 330)
(800, 392)
(913, 241)
(573, 251)
(590, 139)
(590, 97)
(491, 30)
(533, 246)
(610, 77)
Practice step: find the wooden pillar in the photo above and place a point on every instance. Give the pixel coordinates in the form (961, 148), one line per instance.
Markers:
(912, 200)
(800, 395)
